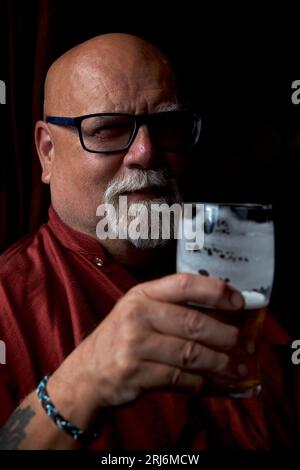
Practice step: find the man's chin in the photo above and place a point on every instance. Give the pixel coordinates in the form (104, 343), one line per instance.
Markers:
(149, 243)
(141, 221)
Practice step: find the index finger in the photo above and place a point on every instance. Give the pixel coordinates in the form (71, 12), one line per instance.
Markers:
(186, 287)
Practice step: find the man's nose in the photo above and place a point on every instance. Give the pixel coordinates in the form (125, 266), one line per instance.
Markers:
(142, 152)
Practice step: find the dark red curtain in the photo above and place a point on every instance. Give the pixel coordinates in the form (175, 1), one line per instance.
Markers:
(25, 50)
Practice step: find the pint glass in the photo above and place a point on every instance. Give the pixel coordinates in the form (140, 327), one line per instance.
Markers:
(238, 247)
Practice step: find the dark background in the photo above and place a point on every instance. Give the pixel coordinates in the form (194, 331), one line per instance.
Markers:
(238, 63)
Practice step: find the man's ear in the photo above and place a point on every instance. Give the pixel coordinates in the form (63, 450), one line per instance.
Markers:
(45, 149)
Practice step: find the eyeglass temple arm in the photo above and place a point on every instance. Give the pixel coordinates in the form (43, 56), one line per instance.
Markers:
(61, 121)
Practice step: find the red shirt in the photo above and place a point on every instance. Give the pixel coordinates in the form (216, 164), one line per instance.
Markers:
(55, 287)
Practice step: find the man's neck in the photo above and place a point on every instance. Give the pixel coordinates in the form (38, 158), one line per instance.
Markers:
(143, 264)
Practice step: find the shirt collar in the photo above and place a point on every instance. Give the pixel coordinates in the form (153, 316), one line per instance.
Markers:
(72, 239)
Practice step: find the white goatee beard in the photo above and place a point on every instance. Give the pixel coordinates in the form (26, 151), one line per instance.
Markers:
(138, 181)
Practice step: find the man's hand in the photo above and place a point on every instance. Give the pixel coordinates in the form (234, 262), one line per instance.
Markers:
(153, 339)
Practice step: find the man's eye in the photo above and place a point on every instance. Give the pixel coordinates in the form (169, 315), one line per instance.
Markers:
(107, 131)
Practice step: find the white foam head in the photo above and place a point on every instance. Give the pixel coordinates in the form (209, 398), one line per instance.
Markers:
(254, 300)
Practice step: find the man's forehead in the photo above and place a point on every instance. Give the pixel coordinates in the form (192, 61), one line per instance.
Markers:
(108, 75)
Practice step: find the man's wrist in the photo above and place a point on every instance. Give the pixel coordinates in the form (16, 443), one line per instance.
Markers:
(85, 437)
(75, 399)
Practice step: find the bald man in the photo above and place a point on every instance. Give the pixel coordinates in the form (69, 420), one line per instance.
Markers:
(121, 359)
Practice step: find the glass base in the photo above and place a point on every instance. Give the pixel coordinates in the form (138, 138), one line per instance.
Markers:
(252, 392)
(225, 391)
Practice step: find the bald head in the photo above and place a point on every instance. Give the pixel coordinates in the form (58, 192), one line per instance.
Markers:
(100, 72)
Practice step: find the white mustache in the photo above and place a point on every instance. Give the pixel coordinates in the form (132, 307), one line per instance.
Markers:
(142, 180)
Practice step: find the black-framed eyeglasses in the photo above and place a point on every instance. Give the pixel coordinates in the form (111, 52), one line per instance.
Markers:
(115, 132)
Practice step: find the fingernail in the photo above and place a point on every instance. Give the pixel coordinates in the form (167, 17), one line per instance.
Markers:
(236, 300)
(242, 370)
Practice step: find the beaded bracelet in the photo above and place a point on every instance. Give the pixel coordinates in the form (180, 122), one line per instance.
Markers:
(58, 419)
